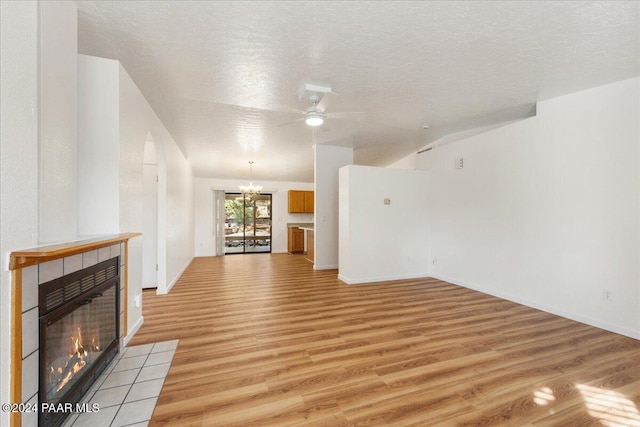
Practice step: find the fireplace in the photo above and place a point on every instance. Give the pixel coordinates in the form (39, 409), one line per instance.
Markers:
(79, 325)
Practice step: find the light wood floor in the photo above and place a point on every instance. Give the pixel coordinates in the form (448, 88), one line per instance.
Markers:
(267, 341)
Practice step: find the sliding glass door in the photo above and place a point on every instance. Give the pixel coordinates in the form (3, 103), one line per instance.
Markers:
(247, 224)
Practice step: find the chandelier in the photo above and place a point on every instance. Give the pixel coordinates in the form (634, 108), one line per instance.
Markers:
(250, 190)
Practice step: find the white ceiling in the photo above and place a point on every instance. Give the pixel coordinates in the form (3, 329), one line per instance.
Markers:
(223, 75)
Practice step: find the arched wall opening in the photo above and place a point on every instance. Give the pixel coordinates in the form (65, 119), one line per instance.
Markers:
(154, 252)
(150, 215)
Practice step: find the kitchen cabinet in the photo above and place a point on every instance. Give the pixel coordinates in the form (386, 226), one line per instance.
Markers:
(308, 202)
(295, 242)
(301, 201)
(311, 254)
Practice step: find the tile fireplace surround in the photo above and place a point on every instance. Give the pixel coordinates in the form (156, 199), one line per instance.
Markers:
(33, 267)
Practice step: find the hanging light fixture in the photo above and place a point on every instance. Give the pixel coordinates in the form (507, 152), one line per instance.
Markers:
(250, 190)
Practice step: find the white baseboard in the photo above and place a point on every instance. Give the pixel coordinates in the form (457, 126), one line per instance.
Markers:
(325, 267)
(553, 310)
(344, 279)
(349, 281)
(132, 331)
(173, 282)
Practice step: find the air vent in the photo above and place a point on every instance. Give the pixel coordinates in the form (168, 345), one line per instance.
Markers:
(59, 291)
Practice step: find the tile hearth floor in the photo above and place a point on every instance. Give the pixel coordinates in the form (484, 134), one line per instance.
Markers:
(128, 389)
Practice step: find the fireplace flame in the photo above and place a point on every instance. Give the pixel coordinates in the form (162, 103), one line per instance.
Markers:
(77, 360)
(74, 340)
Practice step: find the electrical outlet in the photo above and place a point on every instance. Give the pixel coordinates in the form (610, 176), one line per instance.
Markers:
(607, 294)
(434, 260)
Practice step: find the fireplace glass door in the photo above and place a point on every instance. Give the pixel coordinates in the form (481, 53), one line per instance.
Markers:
(79, 324)
(76, 340)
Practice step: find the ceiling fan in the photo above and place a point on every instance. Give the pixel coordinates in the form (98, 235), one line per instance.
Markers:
(315, 115)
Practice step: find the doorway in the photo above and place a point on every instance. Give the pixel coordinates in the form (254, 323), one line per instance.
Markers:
(247, 223)
(150, 216)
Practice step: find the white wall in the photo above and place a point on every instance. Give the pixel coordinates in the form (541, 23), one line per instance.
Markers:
(179, 213)
(204, 215)
(58, 120)
(378, 241)
(175, 187)
(546, 210)
(132, 130)
(98, 146)
(115, 122)
(18, 156)
(407, 162)
(328, 160)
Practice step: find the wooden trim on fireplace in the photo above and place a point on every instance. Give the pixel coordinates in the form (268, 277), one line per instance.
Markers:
(15, 418)
(25, 258)
(125, 303)
(18, 261)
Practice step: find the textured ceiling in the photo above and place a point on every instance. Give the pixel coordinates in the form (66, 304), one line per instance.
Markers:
(223, 75)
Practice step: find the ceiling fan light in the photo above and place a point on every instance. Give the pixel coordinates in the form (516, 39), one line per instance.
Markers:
(314, 119)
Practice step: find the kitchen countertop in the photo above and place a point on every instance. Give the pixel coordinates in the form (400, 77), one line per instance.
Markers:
(307, 227)
(299, 224)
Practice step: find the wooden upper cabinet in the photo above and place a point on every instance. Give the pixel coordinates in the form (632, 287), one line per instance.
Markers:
(308, 202)
(296, 201)
(301, 201)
